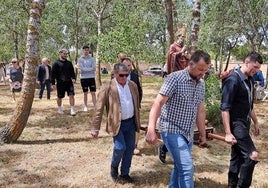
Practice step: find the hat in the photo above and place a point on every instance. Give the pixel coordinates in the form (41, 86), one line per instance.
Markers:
(63, 50)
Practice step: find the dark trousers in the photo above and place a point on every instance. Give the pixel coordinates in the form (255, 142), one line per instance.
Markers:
(241, 165)
(44, 85)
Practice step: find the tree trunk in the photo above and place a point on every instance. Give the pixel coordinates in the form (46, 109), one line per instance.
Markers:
(16, 41)
(195, 25)
(17, 123)
(169, 18)
(98, 67)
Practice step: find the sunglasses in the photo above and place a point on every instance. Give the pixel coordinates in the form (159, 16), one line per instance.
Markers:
(123, 75)
(14, 61)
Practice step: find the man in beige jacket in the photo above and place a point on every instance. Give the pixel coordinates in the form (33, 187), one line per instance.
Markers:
(121, 99)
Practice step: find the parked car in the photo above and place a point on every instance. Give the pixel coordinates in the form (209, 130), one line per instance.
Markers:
(157, 70)
(147, 73)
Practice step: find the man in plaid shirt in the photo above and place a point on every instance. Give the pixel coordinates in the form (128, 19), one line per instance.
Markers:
(180, 105)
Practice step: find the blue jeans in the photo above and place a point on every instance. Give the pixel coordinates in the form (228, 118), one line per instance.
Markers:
(42, 88)
(180, 151)
(124, 145)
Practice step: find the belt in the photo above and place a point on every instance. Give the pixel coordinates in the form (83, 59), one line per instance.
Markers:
(124, 120)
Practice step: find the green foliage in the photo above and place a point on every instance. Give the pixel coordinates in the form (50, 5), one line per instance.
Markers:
(213, 96)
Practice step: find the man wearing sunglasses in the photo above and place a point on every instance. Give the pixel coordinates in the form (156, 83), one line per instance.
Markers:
(133, 76)
(120, 97)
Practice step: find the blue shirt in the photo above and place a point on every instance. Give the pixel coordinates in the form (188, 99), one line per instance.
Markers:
(178, 115)
(258, 76)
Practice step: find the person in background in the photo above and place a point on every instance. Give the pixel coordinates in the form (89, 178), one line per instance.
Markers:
(259, 84)
(2, 73)
(44, 77)
(180, 104)
(133, 76)
(237, 112)
(120, 98)
(63, 74)
(86, 67)
(16, 77)
(178, 55)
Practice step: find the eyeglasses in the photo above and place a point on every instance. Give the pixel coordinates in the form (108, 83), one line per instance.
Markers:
(123, 75)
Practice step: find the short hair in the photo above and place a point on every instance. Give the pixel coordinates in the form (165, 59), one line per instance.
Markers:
(45, 59)
(63, 51)
(14, 60)
(120, 66)
(85, 46)
(254, 56)
(200, 54)
(126, 59)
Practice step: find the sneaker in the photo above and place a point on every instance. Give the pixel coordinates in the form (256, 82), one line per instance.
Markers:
(127, 178)
(85, 109)
(162, 154)
(72, 112)
(60, 111)
(114, 173)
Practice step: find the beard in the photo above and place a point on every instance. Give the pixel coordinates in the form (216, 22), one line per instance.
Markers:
(195, 78)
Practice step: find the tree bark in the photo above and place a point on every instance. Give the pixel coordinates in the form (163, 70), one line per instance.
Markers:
(195, 25)
(12, 131)
(169, 18)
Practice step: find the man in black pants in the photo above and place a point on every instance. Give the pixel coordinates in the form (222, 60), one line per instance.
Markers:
(237, 113)
(63, 74)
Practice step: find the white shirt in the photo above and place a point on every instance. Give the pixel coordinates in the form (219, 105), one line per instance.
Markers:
(126, 102)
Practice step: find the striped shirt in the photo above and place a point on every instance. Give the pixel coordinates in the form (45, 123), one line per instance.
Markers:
(178, 115)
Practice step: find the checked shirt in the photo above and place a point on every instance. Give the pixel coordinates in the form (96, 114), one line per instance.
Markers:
(178, 115)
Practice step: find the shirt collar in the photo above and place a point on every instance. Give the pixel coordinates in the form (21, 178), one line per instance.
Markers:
(241, 75)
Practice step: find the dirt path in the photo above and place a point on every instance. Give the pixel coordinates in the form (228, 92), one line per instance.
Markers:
(57, 151)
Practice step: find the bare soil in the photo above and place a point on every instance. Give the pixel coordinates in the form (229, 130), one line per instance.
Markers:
(58, 151)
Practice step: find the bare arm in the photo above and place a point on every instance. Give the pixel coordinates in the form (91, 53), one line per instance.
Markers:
(200, 123)
(153, 116)
(229, 137)
(256, 123)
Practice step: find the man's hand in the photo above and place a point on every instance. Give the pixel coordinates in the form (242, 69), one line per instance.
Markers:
(95, 133)
(53, 87)
(151, 136)
(202, 142)
(257, 129)
(230, 139)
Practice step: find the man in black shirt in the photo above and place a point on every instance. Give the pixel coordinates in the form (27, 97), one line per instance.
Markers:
(63, 74)
(237, 113)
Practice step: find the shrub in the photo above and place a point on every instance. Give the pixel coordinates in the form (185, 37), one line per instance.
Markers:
(213, 97)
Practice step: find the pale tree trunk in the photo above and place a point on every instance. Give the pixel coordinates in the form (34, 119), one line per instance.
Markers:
(169, 18)
(195, 25)
(98, 67)
(76, 36)
(16, 42)
(98, 15)
(12, 131)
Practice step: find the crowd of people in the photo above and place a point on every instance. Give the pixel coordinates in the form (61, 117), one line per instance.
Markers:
(178, 108)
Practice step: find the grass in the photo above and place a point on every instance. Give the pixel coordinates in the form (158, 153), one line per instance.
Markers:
(58, 151)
